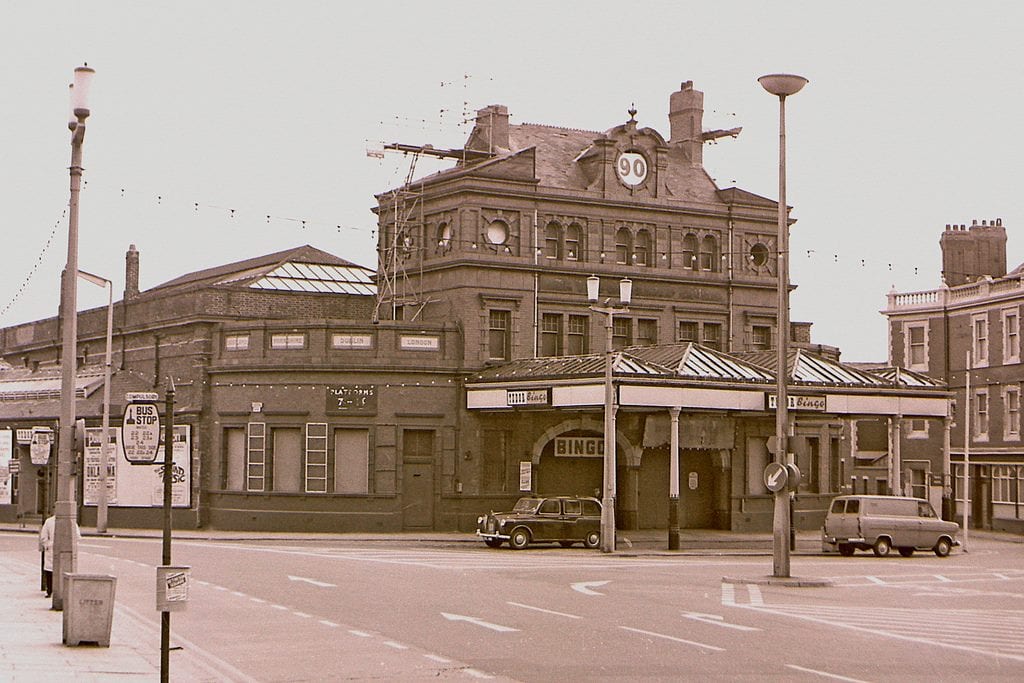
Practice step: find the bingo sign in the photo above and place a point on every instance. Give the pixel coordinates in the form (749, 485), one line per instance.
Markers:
(140, 429)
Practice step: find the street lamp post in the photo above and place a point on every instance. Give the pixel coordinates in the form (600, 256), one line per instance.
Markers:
(64, 541)
(782, 85)
(608, 487)
(101, 501)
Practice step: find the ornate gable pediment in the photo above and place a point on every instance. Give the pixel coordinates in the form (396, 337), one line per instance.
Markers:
(626, 161)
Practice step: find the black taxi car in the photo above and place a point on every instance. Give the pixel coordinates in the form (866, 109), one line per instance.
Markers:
(544, 519)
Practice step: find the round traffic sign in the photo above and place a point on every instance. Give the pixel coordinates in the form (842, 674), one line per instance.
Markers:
(775, 476)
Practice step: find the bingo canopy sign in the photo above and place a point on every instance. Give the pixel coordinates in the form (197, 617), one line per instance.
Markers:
(140, 429)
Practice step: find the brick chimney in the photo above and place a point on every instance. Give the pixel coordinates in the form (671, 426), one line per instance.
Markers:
(491, 131)
(686, 122)
(131, 273)
(969, 254)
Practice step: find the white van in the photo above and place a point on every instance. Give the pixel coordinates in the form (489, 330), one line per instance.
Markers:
(882, 523)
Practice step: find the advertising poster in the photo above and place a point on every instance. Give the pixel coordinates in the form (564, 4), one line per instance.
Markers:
(93, 454)
(143, 485)
(6, 455)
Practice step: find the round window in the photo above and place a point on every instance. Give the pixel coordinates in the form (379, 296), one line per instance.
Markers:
(497, 232)
(759, 254)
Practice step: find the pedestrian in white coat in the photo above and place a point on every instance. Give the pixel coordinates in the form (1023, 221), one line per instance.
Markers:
(46, 534)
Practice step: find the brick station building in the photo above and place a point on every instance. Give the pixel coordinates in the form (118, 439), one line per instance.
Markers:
(468, 368)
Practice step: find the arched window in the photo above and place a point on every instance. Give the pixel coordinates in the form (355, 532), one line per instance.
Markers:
(690, 251)
(573, 235)
(444, 237)
(709, 254)
(553, 241)
(623, 246)
(642, 249)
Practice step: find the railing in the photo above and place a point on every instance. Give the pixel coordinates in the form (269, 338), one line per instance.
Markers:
(979, 290)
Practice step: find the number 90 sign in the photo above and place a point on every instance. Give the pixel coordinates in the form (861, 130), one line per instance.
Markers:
(632, 168)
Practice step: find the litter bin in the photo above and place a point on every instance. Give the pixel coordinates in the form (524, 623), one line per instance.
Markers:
(88, 608)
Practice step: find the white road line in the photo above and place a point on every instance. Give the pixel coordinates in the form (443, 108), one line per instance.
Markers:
(673, 638)
(728, 594)
(586, 587)
(943, 579)
(477, 674)
(361, 634)
(302, 614)
(875, 579)
(478, 622)
(397, 646)
(439, 659)
(825, 674)
(546, 611)
(325, 622)
(717, 620)
(258, 600)
(280, 607)
(241, 595)
(755, 595)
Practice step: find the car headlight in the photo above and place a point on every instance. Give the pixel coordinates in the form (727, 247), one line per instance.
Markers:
(480, 519)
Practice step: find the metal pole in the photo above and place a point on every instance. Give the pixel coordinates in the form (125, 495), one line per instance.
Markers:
(101, 507)
(673, 479)
(780, 522)
(967, 449)
(65, 551)
(165, 616)
(608, 499)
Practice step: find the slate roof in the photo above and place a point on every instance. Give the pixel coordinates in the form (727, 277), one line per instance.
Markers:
(19, 384)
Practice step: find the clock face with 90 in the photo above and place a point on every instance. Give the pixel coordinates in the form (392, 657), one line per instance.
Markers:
(632, 168)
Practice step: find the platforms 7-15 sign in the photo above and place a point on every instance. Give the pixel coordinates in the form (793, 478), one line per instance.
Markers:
(140, 432)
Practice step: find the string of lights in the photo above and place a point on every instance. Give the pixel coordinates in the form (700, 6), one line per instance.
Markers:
(35, 266)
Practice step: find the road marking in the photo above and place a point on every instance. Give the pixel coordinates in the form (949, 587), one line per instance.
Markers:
(477, 674)
(875, 579)
(361, 634)
(728, 594)
(585, 587)
(546, 611)
(438, 658)
(325, 622)
(397, 646)
(825, 674)
(301, 614)
(717, 620)
(280, 607)
(321, 584)
(673, 638)
(755, 595)
(478, 622)
(258, 600)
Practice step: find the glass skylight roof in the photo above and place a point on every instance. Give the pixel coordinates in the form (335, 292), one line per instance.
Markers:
(317, 277)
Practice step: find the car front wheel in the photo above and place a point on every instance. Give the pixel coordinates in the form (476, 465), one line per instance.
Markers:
(519, 539)
(942, 547)
(882, 547)
(592, 540)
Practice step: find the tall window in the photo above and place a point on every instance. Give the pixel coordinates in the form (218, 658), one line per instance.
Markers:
(690, 251)
(646, 332)
(713, 335)
(499, 335)
(578, 343)
(551, 334)
(1011, 336)
(573, 236)
(917, 347)
(709, 254)
(494, 462)
(688, 331)
(979, 324)
(233, 472)
(351, 461)
(642, 249)
(316, 457)
(761, 337)
(444, 237)
(980, 417)
(553, 241)
(622, 332)
(1011, 413)
(623, 246)
(256, 457)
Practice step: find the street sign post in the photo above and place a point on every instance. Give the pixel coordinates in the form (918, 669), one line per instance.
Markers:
(140, 429)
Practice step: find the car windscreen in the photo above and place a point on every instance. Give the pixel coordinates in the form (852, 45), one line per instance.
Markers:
(526, 505)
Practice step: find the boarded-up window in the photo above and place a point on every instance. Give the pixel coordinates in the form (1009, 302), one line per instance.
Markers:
(351, 461)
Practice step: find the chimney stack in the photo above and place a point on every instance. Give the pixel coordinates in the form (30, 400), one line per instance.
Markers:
(131, 273)
(970, 254)
(686, 122)
(491, 131)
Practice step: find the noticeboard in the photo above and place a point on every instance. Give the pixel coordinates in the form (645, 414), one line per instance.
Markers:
(352, 399)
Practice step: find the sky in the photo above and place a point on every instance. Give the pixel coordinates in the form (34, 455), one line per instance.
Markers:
(220, 131)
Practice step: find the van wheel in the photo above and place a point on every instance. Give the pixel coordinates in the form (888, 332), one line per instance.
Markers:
(846, 549)
(882, 547)
(942, 547)
(519, 539)
(906, 552)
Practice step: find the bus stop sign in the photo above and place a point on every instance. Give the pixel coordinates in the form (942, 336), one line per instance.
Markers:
(140, 433)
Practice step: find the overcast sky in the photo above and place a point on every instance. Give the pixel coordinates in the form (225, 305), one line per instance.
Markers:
(226, 130)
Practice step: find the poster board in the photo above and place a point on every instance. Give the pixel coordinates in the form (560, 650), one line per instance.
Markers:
(139, 485)
(6, 456)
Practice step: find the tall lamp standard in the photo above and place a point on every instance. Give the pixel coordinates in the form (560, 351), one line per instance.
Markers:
(782, 85)
(608, 487)
(65, 551)
(101, 503)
